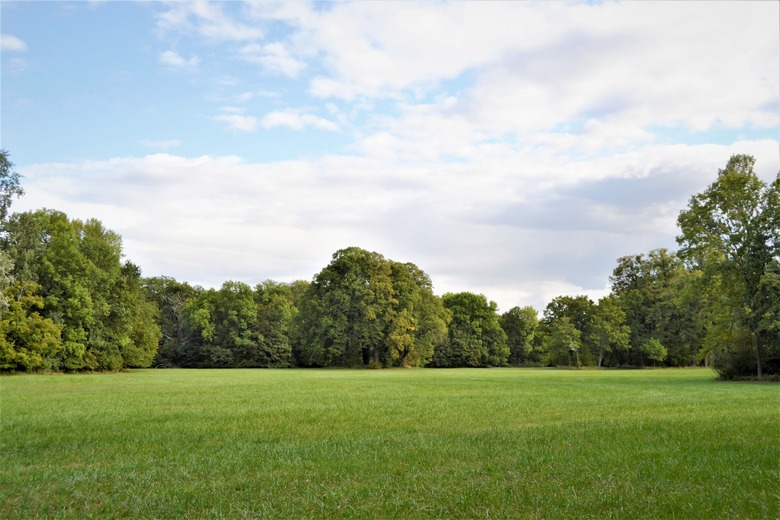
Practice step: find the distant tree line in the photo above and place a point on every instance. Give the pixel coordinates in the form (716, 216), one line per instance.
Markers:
(69, 302)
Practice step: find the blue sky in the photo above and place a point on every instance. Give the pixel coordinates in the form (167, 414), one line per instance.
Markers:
(514, 149)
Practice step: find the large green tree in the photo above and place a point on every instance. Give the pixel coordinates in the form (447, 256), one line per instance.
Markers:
(662, 299)
(608, 328)
(345, 313)
(365, 310)
(476, 338)
(520, 326)
(563, 343)
(578, 311)
(730, 232)
(96, 299)
(178, 340)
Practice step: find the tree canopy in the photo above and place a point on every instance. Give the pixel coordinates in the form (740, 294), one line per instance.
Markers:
(69, 301)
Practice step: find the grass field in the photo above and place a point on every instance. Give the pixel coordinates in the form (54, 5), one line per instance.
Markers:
(472, 443)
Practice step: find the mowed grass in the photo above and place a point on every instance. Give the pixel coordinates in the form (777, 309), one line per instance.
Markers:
(472, 443)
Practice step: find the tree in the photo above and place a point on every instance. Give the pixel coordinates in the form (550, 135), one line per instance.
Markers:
(562, 343)
(275, 315)
(730, 232)
(28, 341)
(106, 321)
(579, 311)
(418, 324)
(177, 341)
(663, 299)
(10, 185)
(654, 351)
(475, 336)
(520, 327)
(345, 312)
(608, 328)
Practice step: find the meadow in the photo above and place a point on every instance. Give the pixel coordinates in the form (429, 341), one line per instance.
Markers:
(416, 443)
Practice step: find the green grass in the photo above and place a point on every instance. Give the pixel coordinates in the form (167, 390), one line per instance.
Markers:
(494, 443)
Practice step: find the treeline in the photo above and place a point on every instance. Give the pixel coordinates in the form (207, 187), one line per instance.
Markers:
(69, 303)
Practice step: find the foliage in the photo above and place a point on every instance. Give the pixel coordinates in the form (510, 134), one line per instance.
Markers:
(660, 298)
(28, 341)
(563, 343)
(654, 350)
(95, 299)
(476, 338)
(10, 185)
(520, 327)
(730, 231)
(364, 310)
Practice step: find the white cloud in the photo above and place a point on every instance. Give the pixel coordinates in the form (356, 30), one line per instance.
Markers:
(274, 57)
(174, 59)
(235, 119)
(296, 120)
(516, 233)
(9, 42)
(515, 149)
(206, 19)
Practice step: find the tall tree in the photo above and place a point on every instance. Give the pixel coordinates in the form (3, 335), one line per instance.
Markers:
(345, 313)
(177, 342)
(276, 312)
(563, 343)
(418, 324)
(730, 231)
(608, 328)
(365, 310)
(579, 311)
(520, 326)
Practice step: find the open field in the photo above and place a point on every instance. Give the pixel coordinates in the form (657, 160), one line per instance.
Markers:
(472, 443)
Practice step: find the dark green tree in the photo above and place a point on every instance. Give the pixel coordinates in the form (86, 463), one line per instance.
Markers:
(661, 298)
(562, 343)
(520, 325)
(476, 338)
(276, 312)
(345, 313)
(579, 312)
(178, 342)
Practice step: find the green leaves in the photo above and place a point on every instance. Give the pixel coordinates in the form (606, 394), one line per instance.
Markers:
(10, 185)
(94, 300)
(365, 310)
(730, 231)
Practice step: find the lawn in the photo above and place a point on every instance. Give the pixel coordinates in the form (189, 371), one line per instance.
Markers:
(471, 443)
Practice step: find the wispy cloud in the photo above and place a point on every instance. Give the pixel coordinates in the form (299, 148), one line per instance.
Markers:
(173, 59)
(206, 19)
(274, 57)
(297, 120)
(235, 120)
(9, 42)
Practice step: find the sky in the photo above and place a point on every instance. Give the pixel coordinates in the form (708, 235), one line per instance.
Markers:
(512, 149)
